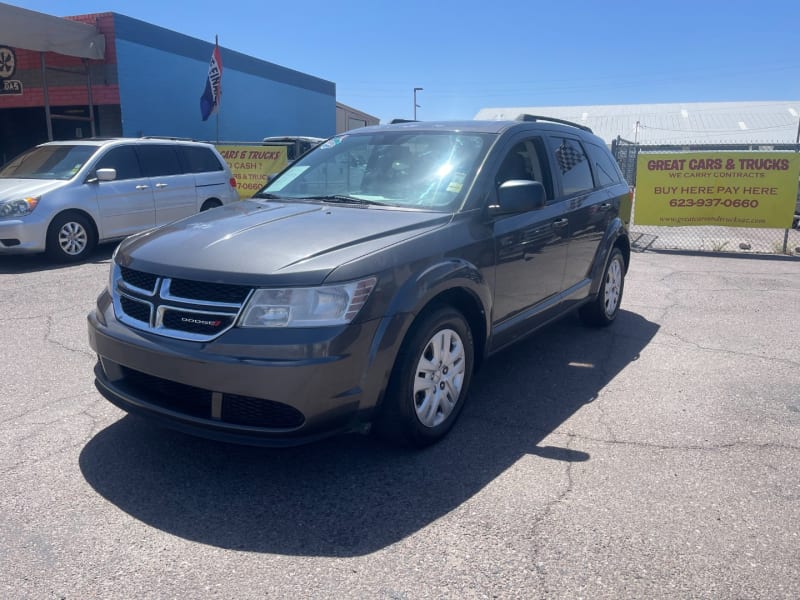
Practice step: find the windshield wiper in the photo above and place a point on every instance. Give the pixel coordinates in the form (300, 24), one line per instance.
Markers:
(343, 199)
(268, 196)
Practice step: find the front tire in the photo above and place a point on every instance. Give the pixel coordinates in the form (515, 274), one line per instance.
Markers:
(602, 311)
(70, 238)
(430, 380)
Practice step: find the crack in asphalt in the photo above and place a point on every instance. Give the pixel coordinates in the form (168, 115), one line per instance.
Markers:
(608, 376)
(18, 466)
(45, 406)
(698, 346)
(688, 447)
(49, 339)
(541, 571)
(92, 424)
(37, 316)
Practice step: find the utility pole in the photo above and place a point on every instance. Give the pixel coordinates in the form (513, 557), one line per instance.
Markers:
(416, 106)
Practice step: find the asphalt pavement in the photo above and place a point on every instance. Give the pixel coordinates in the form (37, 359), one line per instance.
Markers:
(657, 458)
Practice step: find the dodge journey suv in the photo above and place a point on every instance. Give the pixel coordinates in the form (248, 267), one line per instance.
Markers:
(65, 197)
(361, 288)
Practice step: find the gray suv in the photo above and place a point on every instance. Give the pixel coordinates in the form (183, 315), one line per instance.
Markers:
(363, 286)
(65, 197)
(296, 145)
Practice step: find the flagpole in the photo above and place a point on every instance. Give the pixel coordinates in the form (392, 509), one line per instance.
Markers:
(216, 44)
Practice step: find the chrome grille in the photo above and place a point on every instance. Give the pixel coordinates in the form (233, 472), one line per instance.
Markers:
(178, 308)
(136, 309)
(138, 279)
(213, 292)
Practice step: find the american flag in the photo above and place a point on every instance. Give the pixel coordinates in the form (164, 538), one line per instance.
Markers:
(209, 101)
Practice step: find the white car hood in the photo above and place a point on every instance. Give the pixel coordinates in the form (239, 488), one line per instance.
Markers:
(14, 189)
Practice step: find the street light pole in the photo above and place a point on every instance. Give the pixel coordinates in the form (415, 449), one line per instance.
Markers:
(416, 106)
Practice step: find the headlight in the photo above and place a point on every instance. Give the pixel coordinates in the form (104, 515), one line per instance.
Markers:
(307, 307)
(18, 208)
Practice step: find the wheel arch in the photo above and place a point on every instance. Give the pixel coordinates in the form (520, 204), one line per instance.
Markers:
(76, 211)
(616, 236)
(210, 203)
(468, 304)
(463, 294)
(624, 244)
(454, 282)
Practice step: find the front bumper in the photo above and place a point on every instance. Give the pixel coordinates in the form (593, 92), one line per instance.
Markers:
(260, 387)
(19, 236)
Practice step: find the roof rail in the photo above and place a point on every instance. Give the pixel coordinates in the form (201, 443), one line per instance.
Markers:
(525, 117)
(167, 137)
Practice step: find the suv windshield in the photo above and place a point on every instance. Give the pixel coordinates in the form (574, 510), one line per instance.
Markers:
(411, 169)
(49, 162)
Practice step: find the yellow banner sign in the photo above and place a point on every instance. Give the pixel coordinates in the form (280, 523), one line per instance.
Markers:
(250, 165)
(731, 189)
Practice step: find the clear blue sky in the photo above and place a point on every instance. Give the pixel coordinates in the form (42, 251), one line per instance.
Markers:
(469, 55)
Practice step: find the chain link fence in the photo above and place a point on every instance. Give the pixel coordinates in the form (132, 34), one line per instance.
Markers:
(704, 238)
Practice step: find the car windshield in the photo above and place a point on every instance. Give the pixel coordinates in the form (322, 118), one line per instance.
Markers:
(49, 162)
(429, 170)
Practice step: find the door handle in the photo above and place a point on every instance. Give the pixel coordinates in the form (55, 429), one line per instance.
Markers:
(560, 223)
(161, 185)
(142, 187)
(604, 206)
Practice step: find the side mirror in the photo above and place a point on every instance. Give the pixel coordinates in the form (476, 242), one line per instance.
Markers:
(517, 196)
(106, 174)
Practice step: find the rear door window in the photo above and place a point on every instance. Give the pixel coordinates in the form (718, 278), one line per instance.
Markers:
(573, 165)
(159, 160)
(200, 160)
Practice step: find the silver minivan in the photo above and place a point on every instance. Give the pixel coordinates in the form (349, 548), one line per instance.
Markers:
(64, 197)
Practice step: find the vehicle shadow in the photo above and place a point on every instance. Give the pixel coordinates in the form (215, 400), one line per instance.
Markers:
(14, 264)
(353, 495)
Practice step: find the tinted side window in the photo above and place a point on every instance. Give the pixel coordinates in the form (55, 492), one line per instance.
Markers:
(159, 160)
(571, 162)
(124, 160)
(605, 168)
(199, 160)
(306, 146)
(525, 161)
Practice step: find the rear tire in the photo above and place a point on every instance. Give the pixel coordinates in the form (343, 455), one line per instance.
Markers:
(70, 238)
(602, 311)
(430, 380)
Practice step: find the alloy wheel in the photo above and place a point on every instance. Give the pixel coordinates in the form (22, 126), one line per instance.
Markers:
(72, 238)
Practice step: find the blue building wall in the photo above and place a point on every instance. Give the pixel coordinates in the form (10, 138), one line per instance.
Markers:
(162, 75)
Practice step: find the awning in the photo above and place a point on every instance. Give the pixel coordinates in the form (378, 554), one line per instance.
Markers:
(30, 30)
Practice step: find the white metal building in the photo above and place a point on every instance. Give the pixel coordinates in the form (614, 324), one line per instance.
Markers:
(768, 122)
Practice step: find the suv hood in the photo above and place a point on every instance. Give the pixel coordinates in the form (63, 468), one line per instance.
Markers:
(14, 189)
(249, 242)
